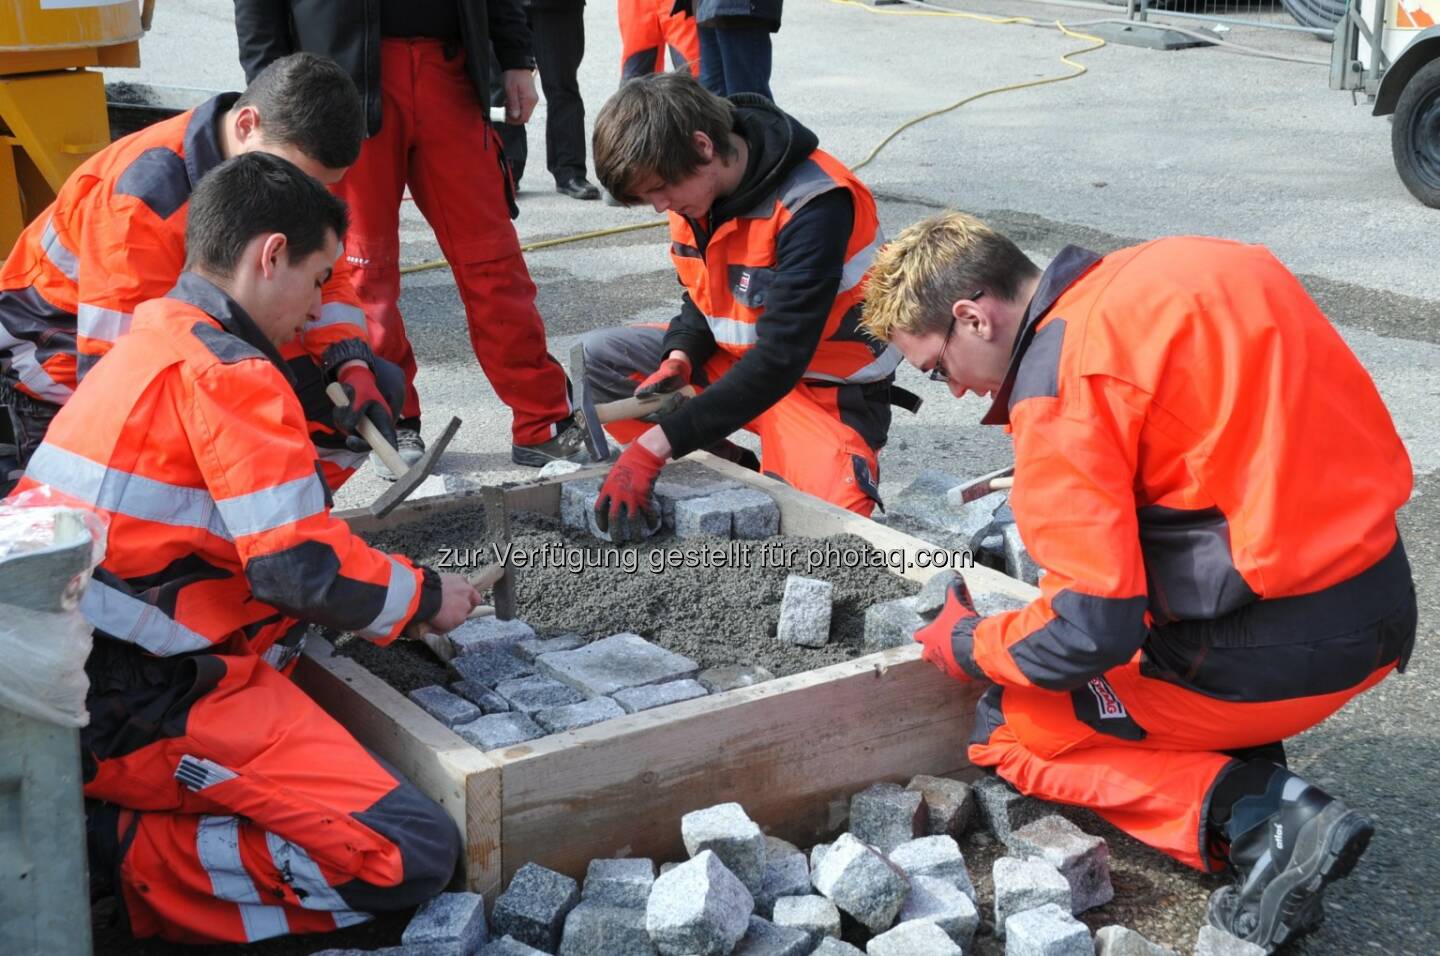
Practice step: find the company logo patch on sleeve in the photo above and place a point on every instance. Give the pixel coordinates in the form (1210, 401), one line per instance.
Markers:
(1107, 705)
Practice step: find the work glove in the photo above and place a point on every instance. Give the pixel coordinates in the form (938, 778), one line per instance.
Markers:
(358, 380)
(672, 375)
(937, 637)
(626, 507)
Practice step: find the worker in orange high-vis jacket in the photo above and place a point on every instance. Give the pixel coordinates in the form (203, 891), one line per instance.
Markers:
(1210, 480)
(115, 237)
(225, 806)
(650, 27)
(771, 238)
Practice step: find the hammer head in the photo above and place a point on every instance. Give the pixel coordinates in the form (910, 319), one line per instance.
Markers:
(964, 494)
(585, 417)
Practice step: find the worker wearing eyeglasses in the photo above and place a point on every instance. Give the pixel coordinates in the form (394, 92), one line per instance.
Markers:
(1210, 479)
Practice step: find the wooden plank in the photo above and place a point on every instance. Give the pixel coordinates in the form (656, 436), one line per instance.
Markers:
(539, 497)
(790, 750)
(446, 768)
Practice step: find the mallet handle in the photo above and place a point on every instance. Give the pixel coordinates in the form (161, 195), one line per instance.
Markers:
(370, 433)
(628, 408)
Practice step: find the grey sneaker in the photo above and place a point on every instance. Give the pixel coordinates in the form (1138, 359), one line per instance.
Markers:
(569, 445)
(410, 446)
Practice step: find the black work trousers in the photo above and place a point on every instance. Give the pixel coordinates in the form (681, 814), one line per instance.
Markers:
(559, 37)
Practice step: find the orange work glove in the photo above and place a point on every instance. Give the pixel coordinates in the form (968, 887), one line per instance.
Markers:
(938, 636)
(672, 375)
(626, 499)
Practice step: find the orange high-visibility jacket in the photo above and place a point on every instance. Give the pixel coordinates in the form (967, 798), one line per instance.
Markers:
(115, 237)
(1192, 438)
(189, 437)
(728, 280)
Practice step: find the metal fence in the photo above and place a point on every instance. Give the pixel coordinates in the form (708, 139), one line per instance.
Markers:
(1316, 17)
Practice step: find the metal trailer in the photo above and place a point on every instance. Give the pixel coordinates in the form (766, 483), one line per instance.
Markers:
(1389, 50)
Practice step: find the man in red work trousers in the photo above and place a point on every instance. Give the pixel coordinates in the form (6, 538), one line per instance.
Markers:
(223, 804)
(1210, 480)
(115, 237)
(422, 67)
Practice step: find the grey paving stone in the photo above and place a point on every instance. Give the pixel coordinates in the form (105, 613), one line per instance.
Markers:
(636, 699)
(972, 517)
(489, 632)
(815, 916)
(577, 502)
(885, 815)
(1022, 885)
(764, 938)
(444, 706)
(1083, 860)
(624, 882)
(1217, 942)
(681, 480)
(913, 939)
(890, 624)
(1047, 930)
(717, 680)
(725, 830)
(490, 664)
(698, 908)
(595, 929)
(753, 513)
(667, 867)
(931, 599)
(835, 947)
(533, 907)
(427, 949)
(574, 716)
(805, 612)
(1123, 941)
(509, 946)
(530, 695)
(481, 696)
(786, 874)
(533, 648)
(1003, 809)
(454, 919)
(942, 903)
(817, 855)
(995, 602)
(949, 804)
(938, 857)
(615, 663)
(1018, 563)
(861, 882)
(702, 517)
(924, 499)
(499, 730)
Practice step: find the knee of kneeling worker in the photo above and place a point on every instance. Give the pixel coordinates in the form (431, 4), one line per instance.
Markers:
(429, 845)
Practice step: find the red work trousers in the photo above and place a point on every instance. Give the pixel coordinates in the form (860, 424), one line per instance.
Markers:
(647, 27)
(1157, 788)
(235, 809)
(435, 138)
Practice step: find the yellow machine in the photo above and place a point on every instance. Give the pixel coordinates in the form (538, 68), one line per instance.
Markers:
(52, 108)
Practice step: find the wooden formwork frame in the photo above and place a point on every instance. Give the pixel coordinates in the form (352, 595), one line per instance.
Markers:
(790, 750)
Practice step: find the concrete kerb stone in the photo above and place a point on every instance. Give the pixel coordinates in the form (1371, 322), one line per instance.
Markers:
(890, 624)
(1217, 942)
(621, 882)
(717, 680)
(805, 612)
(557, 720)
(530, 695)
(1083, 860)
(1004, 809)
(835, 947)
(913, 939)
(786, 874)
(942, 903)
(452, 919)
(938, 857)
(534, 906)
(885, 815)
(489, 632)
(815, 916)
(596, 929)
(499, 730)
(1022, 885)
(636, 699)
(444, 706)
(614, 663)
(764, 938)
(731, 835)
(1047, 930)
(861, 882)
(699, 907)
(489, 665)
(949, 804)
(1123, 941)
(481, 696)
(531, 649)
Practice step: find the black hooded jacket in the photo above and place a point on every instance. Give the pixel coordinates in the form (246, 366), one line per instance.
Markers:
(809, 260)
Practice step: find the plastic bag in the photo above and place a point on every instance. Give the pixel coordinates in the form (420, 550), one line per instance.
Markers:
(48, 550)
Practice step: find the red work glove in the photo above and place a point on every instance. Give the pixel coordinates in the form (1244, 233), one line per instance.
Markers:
(937, 636)
(626, 502)
(358, 380)
(672, 375)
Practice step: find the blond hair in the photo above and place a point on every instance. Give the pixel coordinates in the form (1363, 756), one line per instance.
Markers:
(931, 265)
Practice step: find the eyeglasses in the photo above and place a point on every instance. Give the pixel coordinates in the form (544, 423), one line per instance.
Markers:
(937, 372)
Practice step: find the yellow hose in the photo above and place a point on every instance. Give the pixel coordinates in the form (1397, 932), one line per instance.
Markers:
(1080, 70)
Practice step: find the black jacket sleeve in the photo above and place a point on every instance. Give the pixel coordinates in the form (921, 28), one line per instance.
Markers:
(689, 333)
(809, 260)
(510, 35)
(263, 29)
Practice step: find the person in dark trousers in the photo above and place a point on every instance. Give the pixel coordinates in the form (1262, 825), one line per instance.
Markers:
(422, 68)
(735, 50)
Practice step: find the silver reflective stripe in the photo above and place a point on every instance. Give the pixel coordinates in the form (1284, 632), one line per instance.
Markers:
(60, 257)
(217, 842)
(397, 601)
(731, 331)
(311, 888)
(342, 457)
(124, 493)
(93, 322)
(338, 313)
(33, 376)
(274, 507)
(878, 370)
(859, 264)
(127, 618)
(279, 656)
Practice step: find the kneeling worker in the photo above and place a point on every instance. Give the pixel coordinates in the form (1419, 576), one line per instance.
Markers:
(1210, 479)
(225, 805)
(771, 238)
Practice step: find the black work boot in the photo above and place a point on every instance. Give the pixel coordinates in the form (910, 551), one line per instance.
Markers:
(1288, 841)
